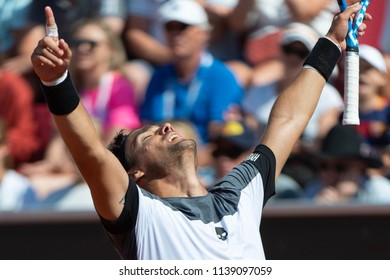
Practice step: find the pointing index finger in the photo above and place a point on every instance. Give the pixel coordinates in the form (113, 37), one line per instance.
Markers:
(51, 26)
(50, 20)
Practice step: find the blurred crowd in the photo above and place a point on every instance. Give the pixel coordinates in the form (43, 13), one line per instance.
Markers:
(213, 69)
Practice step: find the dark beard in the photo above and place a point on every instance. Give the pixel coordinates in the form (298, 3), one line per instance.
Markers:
(177, 156)
(180, 149)
(184, 145)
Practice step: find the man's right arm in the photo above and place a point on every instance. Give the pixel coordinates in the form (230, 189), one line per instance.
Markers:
(101, 170)
(104, 174)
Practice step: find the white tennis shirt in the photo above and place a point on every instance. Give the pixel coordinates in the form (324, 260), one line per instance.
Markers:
(224, 224)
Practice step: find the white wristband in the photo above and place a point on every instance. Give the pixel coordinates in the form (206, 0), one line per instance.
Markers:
(56, 82)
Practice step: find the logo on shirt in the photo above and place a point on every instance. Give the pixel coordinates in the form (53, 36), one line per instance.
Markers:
(221, 233)
(253, 157)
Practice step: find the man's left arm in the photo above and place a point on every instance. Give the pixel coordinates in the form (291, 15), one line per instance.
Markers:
(294, 108)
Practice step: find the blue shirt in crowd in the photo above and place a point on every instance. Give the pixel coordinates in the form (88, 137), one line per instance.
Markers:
(202, 100)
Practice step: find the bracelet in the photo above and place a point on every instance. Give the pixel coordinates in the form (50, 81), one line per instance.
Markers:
(61, 99)
(323, 57)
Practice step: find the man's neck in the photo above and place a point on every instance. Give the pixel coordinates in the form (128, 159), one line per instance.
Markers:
(187, 184)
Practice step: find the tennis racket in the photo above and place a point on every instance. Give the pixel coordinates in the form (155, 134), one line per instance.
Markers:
(351, 71)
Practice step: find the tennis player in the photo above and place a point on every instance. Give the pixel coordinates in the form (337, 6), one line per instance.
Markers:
(145, 186)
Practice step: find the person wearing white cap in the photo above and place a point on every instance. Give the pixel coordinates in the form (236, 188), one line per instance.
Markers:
(297, 41)
(144, 35)
(195, 86)
(374, 57)
(374, 108)
(186, 11)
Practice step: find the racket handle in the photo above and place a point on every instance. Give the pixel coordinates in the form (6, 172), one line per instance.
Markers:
(351, 89)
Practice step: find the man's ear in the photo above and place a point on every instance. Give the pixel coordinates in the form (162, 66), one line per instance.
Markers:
(136, 174)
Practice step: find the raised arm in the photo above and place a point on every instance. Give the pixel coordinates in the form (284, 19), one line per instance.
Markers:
(294, 108)
(141, 44)
(102, 171)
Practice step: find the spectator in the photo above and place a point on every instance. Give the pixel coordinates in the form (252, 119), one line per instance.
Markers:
(379, 37)
(144, 42)
(70, 12)
(106, 93)
(16, 193)
(234, 143)
(374, 109)
(385, 40)
(296, 43)
(56, 180)
(221, 15)
(343, 171)
(25, 16)
(265, 22)
(144, 35)
(17, 110)
(226, 40)
(14, 23)
(196, 86)
(386, 90)
(147, 46)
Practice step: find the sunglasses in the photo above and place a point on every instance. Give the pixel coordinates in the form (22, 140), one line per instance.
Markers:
(175, 26)
(299, 52)
(88, 44)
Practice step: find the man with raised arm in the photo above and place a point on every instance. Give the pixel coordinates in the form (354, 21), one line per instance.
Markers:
(145, 186)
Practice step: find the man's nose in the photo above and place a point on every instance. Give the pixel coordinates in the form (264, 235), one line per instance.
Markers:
(165, 128)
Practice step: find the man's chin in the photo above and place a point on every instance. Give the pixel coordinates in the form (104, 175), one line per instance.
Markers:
(185, 145)
(189, 144)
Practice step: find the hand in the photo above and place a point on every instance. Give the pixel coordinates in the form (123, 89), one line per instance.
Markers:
(51, 57)
(339, 29)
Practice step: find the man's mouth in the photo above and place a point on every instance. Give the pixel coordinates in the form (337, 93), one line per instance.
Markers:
(173, 136)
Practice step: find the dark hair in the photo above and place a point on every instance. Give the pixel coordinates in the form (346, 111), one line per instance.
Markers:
(118, 147)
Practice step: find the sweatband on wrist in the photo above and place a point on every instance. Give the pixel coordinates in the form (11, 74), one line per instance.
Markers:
(323, 57)
(61, 99)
